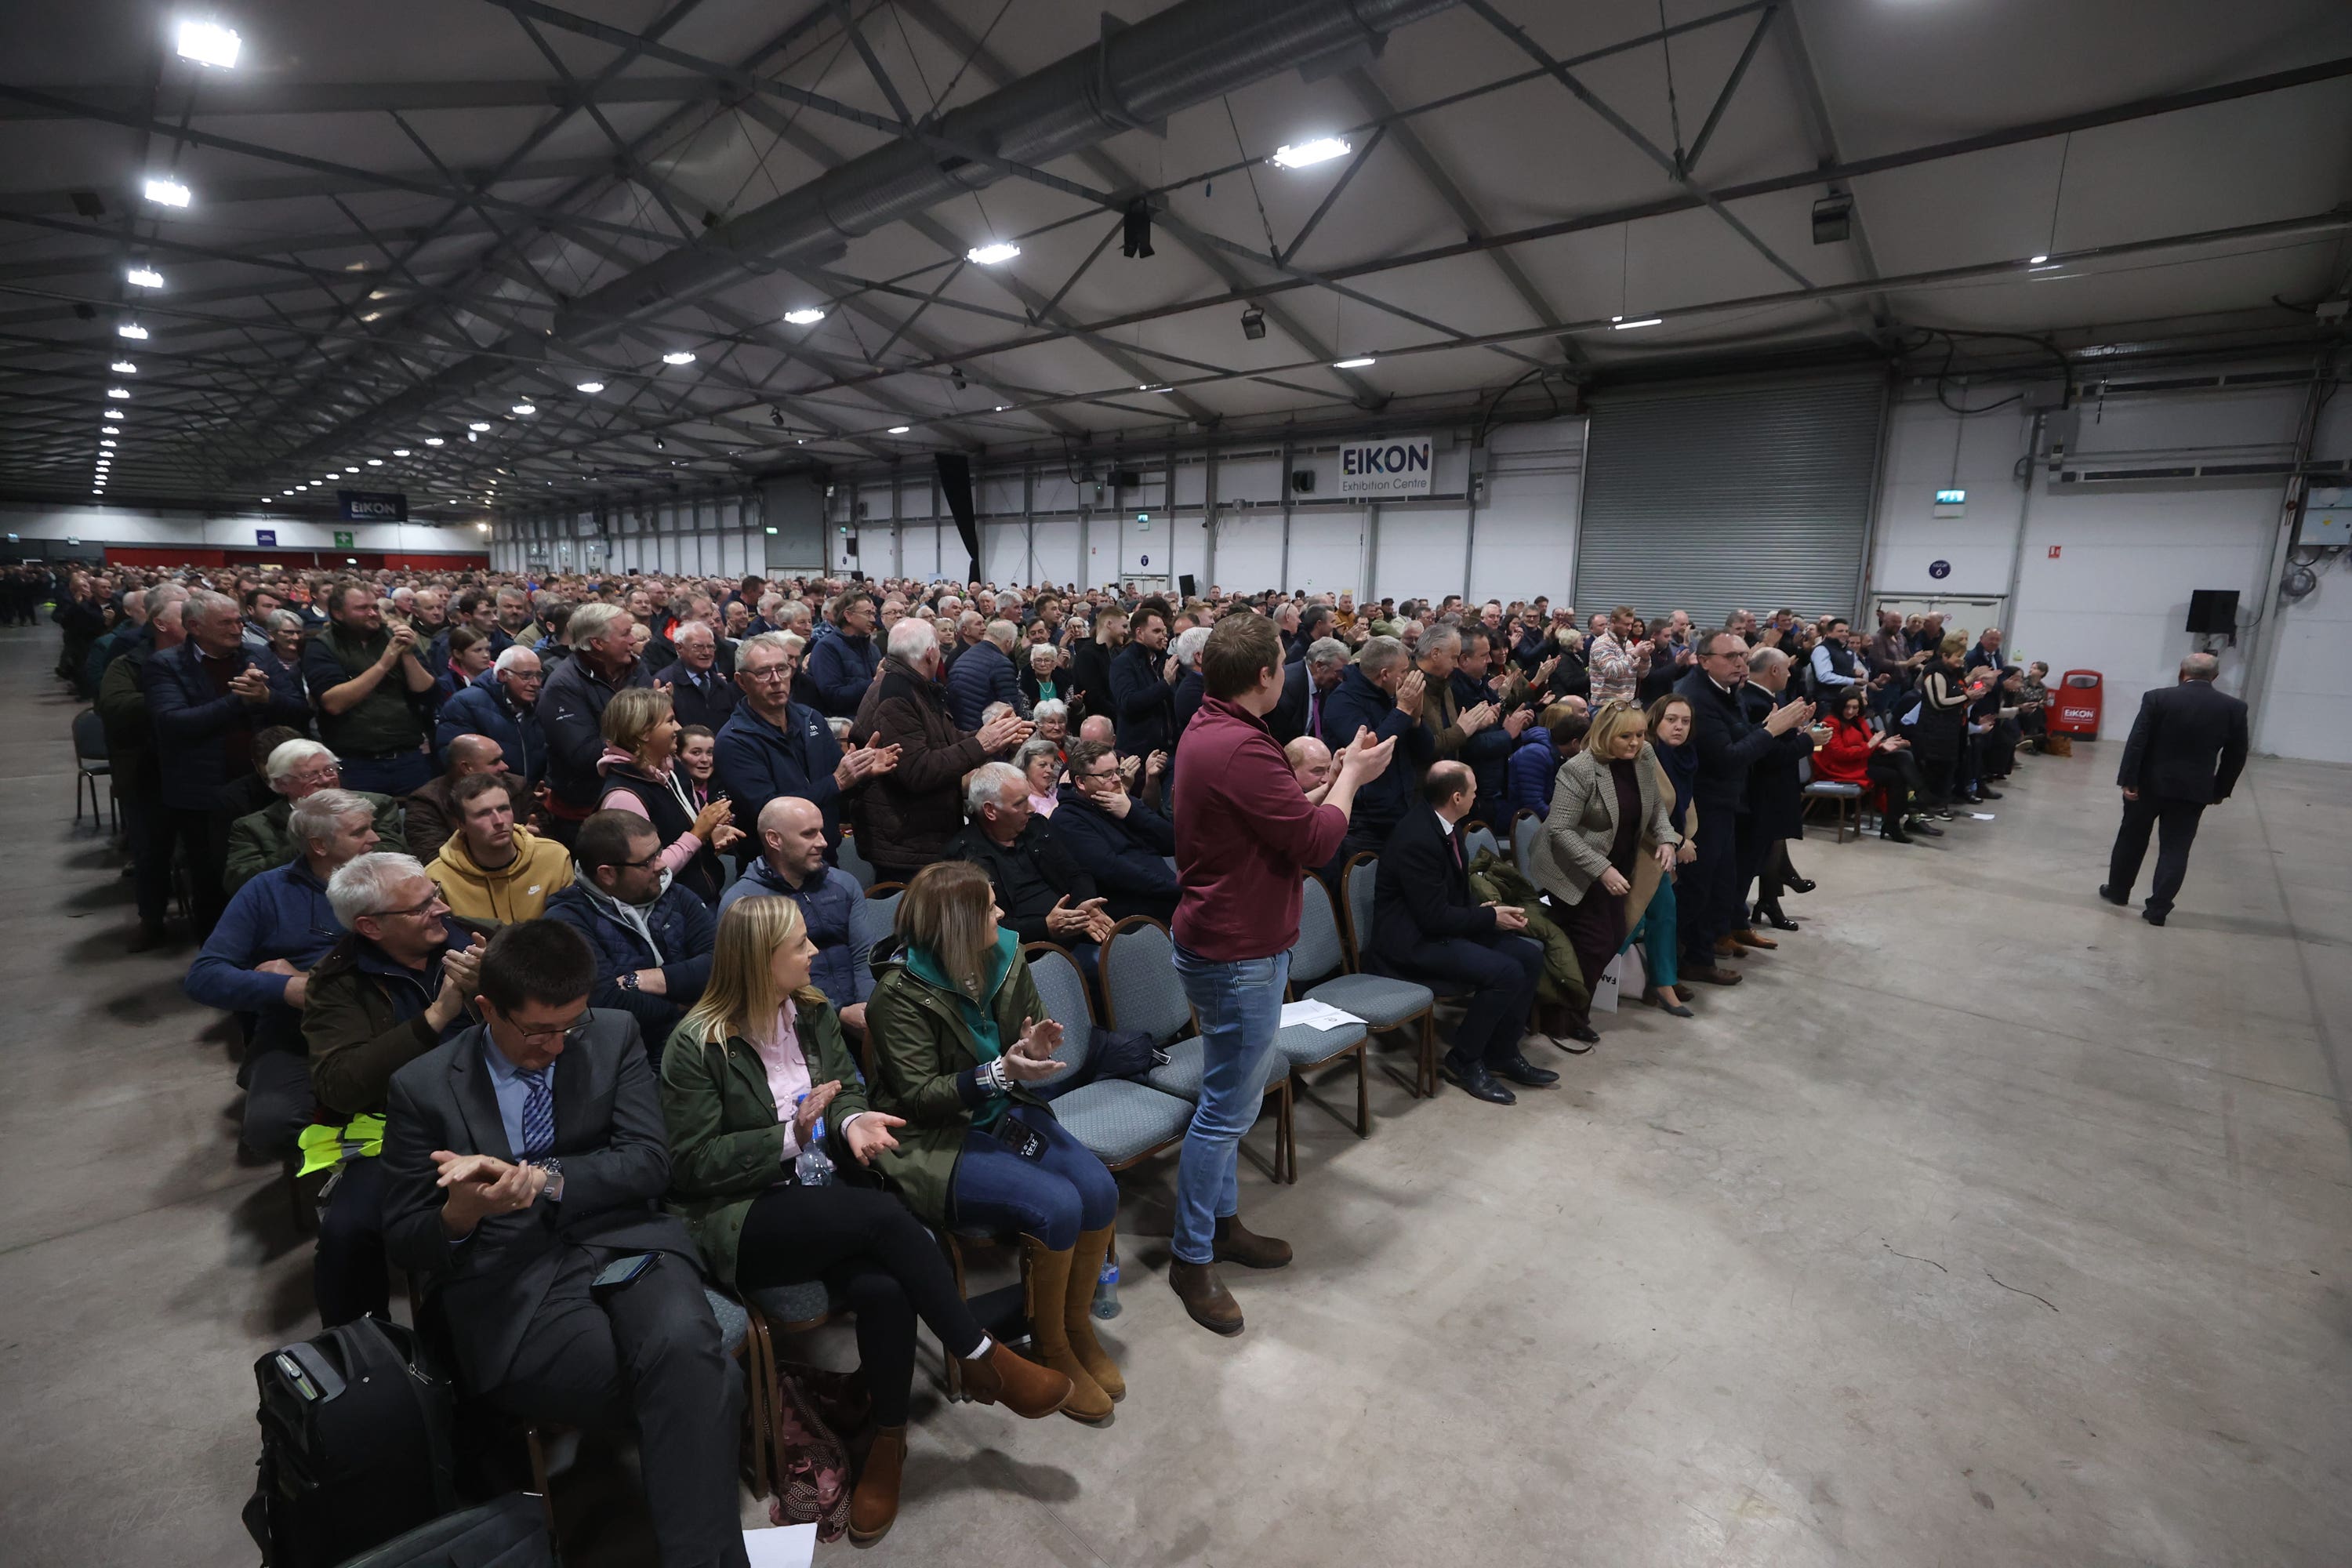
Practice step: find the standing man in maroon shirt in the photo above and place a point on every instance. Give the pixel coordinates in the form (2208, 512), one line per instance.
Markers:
(1246, 833)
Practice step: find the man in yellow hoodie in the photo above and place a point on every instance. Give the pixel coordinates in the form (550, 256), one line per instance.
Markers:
(492, 869)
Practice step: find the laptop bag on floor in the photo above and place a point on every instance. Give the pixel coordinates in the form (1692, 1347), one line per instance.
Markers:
(354, 1446)
(508, 1534)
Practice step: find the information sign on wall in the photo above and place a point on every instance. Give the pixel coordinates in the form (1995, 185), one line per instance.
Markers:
(1399, 466)
(265, 536)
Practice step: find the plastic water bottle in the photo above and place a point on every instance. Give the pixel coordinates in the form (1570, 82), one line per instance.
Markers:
(1106, 1290)
(812, 1165)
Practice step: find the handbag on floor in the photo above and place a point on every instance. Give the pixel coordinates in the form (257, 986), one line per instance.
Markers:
(811, 1479)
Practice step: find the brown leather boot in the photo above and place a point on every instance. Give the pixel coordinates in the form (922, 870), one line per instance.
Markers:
(873, 1501)
(1236, 1243)
(1048, 1274)
(1746, 938)
(1078, 1316)
(1020, 1385)
(1205, 1295)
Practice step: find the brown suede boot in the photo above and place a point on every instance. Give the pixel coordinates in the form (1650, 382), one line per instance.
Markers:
(1746, 937)
(1205, 1295)
(1236, 1243)
(1020, 1385)
(873, 1501)
(1078, 1319)
(1049, 1293)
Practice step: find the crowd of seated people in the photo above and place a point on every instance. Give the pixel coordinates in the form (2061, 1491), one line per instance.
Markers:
(618, 981)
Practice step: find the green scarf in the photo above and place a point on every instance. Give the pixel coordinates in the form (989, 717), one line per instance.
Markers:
(978, 1015)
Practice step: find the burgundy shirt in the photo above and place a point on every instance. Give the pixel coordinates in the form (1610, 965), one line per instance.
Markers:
(1245, 835)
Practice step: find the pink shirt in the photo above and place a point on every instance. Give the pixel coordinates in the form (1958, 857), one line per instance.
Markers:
(788, 1074)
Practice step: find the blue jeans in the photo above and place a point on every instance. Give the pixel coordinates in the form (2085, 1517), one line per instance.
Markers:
(395, 776)
(1052, 1198)
(1239, 1006)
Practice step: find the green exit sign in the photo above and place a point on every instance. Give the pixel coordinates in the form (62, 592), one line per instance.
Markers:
(343, 539)
(1143, 517)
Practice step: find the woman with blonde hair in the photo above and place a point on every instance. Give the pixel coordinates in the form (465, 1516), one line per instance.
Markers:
(1609, 810)
(1654, 914)
(757, 1072)
(642, 777)
(959, 1034)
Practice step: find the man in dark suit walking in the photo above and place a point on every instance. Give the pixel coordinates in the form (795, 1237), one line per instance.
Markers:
(524, 1163)
(2187, 748)
(1425, 925)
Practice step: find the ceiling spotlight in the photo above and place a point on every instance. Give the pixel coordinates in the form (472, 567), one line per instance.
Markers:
(484, 424)
(145, 278)
(376, 462)
(679, 356)
(807, 316)
(351, 471)
(371, 316)
(1252, 323)
(208, 44)
(133, 331)
(1359, 362)
(1003, 407)
(591, 387)
(379, 293)
(483, 527)
(167, 193)
(2035, 260)
(106, 443)
(110, 430)
(400, 451)
(989, 255)
(900, 429)
(1620, 324)
(118, 392)
(1322, 149)
(286, 492)
(123, 367)
(433, 440)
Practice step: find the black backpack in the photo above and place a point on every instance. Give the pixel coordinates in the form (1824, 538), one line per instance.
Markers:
(354, 1445)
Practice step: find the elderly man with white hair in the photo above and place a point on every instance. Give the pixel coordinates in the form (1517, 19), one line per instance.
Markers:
(904, 818)
(502, 703)
(571, 707)
(1042, 894)
(1189, 687)
(985, 674)
(296, 768)
(258, 959)
(700, 683)
(397, 984)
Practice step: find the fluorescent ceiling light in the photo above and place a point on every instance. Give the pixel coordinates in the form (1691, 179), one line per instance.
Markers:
(807, 317)
(400, 451)
(379, 293)
(2035, 260)
(106, 443)
(110, 430)
(1618, 323)
(679, 356)
(1356, 364)
(591, 387)
(145, 278)
(133, 331)
(1322, 149)
(372, 316)
(525, 409)
(433, 440)
(351, 471)
(376, 462)
(484, 527)
(989, 255)
(209, 43)
(118, 392)
(123, 367)
(169, 192)
(900, 429)
(484, 424)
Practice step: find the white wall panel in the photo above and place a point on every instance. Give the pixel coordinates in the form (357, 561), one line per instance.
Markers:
(125, 525)
(1003, 552)
(1420, 553)
(1057, 548)
(1526, 524)
(1249, 550)
(1326, 550)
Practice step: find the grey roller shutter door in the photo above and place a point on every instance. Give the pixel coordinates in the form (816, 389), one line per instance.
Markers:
(1716, 499)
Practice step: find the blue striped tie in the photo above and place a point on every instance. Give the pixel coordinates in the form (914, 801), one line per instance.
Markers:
(537, 1114)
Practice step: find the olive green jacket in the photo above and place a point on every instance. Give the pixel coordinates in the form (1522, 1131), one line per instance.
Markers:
(726, 1135)
(921, 1046)
(260, 841)
(1493, 877)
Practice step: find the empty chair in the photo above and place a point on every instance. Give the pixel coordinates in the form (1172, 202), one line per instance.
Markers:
(853, 860)
(1121, 1120)
(1138, 970)
(1381, 1001)
(90, 766)
(1319, 954)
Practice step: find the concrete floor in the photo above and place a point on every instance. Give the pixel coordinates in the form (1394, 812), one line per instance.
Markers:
(1983, 1225)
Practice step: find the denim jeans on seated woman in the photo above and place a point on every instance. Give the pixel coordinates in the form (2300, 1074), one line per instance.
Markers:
(1052, 1198)
(1239, 1004)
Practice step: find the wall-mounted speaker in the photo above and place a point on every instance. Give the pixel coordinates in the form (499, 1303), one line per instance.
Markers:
(2213, 611)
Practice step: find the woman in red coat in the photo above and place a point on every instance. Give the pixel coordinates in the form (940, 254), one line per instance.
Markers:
(1856, 754)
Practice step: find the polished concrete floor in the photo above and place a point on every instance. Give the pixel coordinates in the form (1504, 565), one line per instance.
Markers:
(1984, 1224)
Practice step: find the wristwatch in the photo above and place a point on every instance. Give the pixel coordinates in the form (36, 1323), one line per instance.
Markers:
(626, 980)
(553, 1190)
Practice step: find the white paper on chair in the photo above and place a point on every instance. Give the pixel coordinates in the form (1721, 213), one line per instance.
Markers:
(1316, 1016)
(787, 1546)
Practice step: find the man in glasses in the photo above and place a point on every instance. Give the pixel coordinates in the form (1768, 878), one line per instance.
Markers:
(1119, 841)
(772, 745)
(524, 1165)
(652, 940)
(295, 770)
(1730, 743)
(397, 984)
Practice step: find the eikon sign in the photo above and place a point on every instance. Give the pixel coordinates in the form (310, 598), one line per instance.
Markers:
(371, 506)
(1399, 467)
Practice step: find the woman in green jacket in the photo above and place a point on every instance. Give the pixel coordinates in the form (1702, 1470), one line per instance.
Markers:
(959, 1033)
(754, 1073)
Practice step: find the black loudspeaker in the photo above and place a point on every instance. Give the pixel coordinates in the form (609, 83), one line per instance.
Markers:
(1302, 481)
(2213, 611)
(1186, 586)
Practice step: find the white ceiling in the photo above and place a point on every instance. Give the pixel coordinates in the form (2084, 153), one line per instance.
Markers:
(261, 370)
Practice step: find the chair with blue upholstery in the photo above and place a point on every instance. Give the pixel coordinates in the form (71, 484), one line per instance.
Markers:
(1320, 954)
(1123, 1121)
(1848, 798)
(1382, 1001)
(1141, 991)
(91, 764)
(1479, 837)
(1527, 831)
(876, 918)
(853, 860)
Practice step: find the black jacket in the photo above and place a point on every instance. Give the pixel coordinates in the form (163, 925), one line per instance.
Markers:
(1126, 855)
(1030, 877)
(2188, 743)
(1090, 673)
(1356, 703)
(572, 717)
(1729, 745)
(1288, 720)
(1142, 702)
(615, 1155)
(1776, 791)
(1421, 893)
(709, 704)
